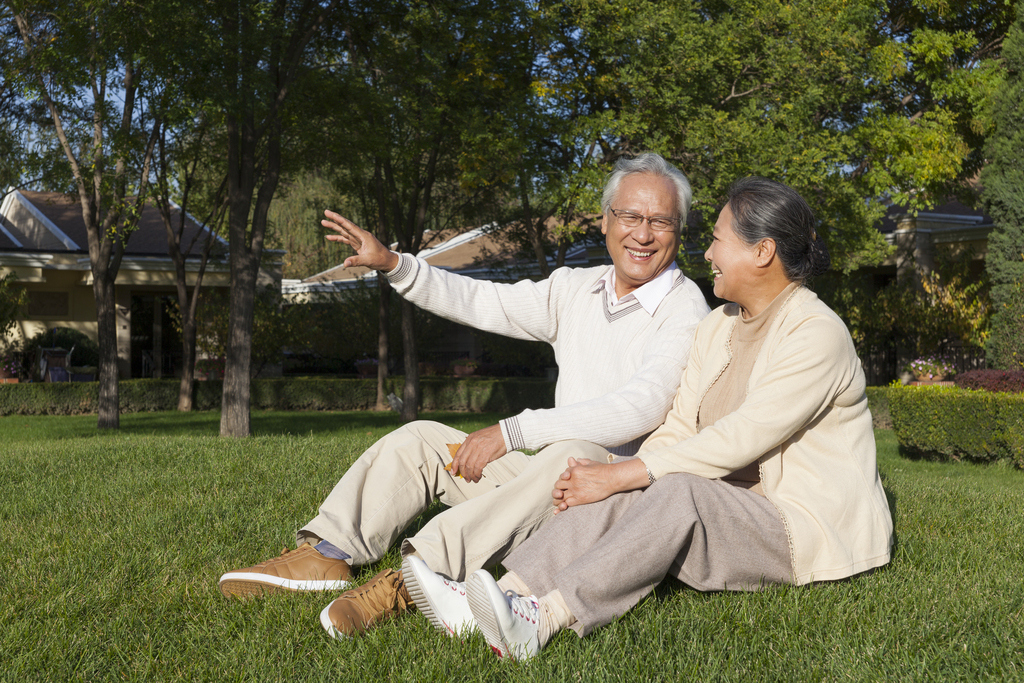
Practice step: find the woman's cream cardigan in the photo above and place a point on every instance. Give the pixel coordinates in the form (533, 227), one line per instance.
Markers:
(805, 420)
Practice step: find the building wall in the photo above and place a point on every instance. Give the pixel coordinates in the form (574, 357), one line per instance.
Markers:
(64, 298)
(59, 300)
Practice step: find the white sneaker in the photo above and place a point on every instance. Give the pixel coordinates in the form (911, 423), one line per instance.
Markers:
(507, 620)
(443, 602)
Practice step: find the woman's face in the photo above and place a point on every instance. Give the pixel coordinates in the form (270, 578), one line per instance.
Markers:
(732, 261)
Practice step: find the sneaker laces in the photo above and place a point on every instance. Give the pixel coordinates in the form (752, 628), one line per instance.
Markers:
(285, 551)
(378, 597)
(524, 607)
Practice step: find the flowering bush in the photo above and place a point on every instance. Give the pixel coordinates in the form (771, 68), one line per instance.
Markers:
(10, 363)
(931, 367)
(208, 367)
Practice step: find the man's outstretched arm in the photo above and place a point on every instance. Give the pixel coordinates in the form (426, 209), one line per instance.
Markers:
(524, 310)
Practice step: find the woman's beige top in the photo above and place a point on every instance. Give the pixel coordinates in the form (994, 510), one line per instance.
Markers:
(805, 420)
(729, 391)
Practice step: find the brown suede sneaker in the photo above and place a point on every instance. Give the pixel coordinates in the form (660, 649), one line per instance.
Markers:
(302, 569)
(362, 608)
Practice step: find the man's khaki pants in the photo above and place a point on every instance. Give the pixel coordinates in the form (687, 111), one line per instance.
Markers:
(398, 477)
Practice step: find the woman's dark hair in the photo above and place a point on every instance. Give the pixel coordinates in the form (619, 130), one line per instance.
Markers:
(768, 209)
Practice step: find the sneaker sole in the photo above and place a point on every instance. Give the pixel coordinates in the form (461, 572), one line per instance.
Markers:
(423, 602)
(244, 584)
(483, 611)
(325, 621)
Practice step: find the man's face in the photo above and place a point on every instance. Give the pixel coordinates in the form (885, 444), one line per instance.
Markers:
(641, 254)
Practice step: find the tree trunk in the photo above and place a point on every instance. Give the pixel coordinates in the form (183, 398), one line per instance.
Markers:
(188, 360)
(383, 293)
(235, 418)
(383, 326)
(188, 307)
(106, 323)
(411, 390)
(535, 230)
(563, 249)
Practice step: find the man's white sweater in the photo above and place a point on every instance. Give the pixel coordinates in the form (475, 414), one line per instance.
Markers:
(619, 366)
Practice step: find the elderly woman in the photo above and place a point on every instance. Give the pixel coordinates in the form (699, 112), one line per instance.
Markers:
(764, 471)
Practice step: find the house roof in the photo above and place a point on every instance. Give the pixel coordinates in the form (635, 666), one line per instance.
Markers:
(52, 222)
(6, 238)
(485, 252)
(952, 211)
(451, 250)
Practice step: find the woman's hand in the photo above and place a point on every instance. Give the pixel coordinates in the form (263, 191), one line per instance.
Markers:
(369, 251)
(588, 481)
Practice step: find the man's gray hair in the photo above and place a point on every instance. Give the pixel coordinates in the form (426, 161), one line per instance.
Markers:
(655, 165)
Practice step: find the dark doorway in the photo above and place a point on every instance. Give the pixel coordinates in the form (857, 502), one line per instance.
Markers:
(156, 342)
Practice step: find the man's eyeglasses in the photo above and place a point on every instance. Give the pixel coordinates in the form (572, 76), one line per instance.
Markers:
(634, 220)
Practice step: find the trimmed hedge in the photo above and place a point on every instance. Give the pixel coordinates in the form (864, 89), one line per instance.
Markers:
(473, 394)
(878, 404)
(992, 380)
(950, 423)
(144, 395)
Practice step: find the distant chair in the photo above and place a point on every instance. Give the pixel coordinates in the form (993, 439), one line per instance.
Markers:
(52, 359)
(59, 374)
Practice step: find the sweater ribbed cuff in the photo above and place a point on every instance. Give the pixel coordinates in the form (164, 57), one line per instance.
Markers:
(513, 434)
(404, 268)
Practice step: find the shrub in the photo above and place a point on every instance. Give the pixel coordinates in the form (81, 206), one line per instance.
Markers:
(10, 361)
(1005, 346)
(949, 423)
(878, 404)
(207, 366)
(992, 380)
(37, 398)
(12, 300)
(142, 395)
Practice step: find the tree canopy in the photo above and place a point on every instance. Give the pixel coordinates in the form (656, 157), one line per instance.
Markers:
(86, 66)
(417, 114)
(855, 104)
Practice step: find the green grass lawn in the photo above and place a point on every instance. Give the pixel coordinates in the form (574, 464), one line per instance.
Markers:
(111, 546)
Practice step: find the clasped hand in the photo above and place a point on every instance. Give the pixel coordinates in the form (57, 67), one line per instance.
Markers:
(585, 481)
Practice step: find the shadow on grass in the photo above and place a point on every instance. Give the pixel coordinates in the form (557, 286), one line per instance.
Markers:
(207, 423)
(321, 423)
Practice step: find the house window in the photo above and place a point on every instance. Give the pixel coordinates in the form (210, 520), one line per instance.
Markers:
(47, 304)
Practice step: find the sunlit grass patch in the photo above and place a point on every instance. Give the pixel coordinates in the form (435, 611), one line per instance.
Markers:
(111, 546)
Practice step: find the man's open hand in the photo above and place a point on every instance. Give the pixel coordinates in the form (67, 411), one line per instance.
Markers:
(369, 251)
(479, 448)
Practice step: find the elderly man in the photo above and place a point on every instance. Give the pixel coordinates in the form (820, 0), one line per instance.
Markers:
(621, 335)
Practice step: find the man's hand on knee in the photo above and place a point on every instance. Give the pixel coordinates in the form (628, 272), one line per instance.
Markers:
(479, 448)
